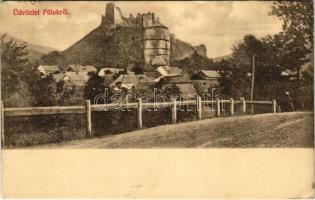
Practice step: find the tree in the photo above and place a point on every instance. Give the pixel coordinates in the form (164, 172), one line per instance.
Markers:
(13, 61)
(46, 92)
(297, 36)
(137, 69)
(236, 72)
(96, 85)
(297, 19)
(295, 43)
(22, 85)
(193, 63)
(171, 91)
(14, 67)
(53, 58)
(228, 87)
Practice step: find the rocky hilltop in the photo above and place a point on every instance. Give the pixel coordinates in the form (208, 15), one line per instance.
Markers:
(120, 41)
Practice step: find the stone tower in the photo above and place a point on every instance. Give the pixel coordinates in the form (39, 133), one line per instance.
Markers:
(156, 39)
(113, 16)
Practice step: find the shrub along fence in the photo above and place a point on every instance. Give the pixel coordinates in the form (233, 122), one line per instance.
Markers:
(219, 106)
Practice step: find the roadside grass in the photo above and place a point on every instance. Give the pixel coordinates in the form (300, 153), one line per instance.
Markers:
(251, 131)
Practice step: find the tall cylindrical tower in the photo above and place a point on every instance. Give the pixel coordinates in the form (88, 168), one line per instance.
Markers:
(156, 40)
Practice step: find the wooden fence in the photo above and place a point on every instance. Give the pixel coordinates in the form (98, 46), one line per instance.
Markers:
(88, 109)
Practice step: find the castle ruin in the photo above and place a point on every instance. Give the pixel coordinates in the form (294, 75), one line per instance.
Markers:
(155, 36)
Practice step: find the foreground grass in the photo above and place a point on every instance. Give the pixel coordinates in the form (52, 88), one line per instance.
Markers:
(265, 130)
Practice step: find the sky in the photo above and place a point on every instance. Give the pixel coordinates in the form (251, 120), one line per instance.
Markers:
(216, 24)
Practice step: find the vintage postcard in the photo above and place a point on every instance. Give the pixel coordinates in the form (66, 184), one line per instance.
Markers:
(157, 99)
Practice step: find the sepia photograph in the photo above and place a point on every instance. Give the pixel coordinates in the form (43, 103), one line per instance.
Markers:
(157, 99)
(210, 74)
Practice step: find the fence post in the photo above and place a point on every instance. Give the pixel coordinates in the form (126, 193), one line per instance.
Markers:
(218, 108)
(174, 111)
(244, 104)
(199, 107)
(232, 106)
(278, 108)
(274, 106)
(88, 118)
(139, 113)
(2, 124)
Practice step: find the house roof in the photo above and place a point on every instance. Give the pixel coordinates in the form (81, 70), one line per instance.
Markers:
(48, 68)
(175, 79)
(169, 71)
(132, 79)
(210, 73)
(58, 77)
(81, 68)
(77, 79)
(159, 61)
(187, 90)
(102, 71)
(88, 68)
(73, 68)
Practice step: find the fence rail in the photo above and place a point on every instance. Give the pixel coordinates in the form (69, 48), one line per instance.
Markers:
(29, 111)
(140, 106)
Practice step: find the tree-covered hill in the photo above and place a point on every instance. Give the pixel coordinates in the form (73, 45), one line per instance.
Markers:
(35, 51)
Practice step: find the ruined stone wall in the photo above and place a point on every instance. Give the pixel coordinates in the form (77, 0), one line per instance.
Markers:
(118, 17)
(148, 19)
(113, 16)
(156, 36)
(203, 85)
(201, 50)
(110, 12)
(181, 50)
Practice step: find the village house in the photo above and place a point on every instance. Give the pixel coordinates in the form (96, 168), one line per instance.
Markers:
(81, 68)
(59, 77)
(184, 85)
(46, 70)
(111, 74)
(172, 76)
(206, 79)
(78, 79)
(130, 82)
(161, 68)
(76, 75)
(109, 70)
(158, 61)
(169, 71)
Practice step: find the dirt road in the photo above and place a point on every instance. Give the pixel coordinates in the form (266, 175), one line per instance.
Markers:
(256, 131)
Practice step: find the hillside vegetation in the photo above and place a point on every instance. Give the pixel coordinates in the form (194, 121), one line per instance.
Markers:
(103, 47)
(35, 51)
(121, 47)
